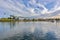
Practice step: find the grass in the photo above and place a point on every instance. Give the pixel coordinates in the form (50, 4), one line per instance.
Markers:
(13, 20)
(6, 20)
(24, 20)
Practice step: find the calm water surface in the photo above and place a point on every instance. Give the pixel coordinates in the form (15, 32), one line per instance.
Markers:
(36, 29)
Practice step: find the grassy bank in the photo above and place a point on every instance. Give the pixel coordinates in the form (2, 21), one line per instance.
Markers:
(24, 20)
(14, 20)
(7, 20)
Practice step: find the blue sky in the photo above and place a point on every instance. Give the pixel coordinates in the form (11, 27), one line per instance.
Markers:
(28, 8)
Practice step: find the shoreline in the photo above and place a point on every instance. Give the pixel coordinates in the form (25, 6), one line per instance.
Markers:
(26, 20)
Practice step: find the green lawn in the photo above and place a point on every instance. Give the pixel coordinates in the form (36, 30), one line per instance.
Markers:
(6, 20)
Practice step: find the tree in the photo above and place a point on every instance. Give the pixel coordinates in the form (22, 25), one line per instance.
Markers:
(12, 16)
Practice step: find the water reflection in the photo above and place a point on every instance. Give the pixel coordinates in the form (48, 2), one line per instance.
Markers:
(12, 24)
(7, 25)
(50, 36)
(37, 35)
(29, 31)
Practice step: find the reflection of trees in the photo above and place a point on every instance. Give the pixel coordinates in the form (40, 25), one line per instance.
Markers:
(12, 24)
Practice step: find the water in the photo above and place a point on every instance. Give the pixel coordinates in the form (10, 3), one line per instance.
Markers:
(29, 31)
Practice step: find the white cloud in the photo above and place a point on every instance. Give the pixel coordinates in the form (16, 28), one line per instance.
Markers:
(18, 8)
(45, 9)
(56, 8)
(34, 14)
(9, 4)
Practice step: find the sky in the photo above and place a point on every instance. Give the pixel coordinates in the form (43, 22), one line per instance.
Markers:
(29, 8)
